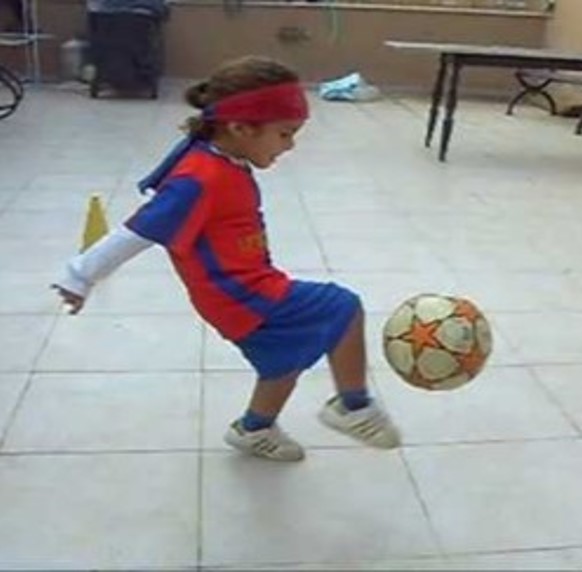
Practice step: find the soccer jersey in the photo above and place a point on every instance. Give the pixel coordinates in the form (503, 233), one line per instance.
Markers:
(207, 214)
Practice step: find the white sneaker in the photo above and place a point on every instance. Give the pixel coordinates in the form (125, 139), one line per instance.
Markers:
(270, 443)
(369, 424)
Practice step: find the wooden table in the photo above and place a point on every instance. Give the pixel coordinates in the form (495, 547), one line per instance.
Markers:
(454, 56)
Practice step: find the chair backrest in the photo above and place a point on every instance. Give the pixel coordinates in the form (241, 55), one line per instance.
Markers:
(156, 8)
(11, 92)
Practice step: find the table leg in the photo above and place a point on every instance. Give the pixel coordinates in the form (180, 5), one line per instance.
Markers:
(437, 95)
(451, 105)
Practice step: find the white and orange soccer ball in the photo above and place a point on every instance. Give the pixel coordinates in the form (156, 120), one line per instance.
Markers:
(437, 342)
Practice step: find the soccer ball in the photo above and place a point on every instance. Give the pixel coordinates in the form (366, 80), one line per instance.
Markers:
(437, 342)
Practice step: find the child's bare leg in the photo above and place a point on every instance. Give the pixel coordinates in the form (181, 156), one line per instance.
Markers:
(352, 411)
(270, 395)
(348, 359)
(267, 400)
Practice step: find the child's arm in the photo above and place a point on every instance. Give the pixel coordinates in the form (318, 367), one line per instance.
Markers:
(100, 260)
(172, 218)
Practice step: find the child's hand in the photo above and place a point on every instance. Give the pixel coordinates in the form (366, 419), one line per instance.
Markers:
(70, 299)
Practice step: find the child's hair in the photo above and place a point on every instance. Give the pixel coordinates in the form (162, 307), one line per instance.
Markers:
(243, 74)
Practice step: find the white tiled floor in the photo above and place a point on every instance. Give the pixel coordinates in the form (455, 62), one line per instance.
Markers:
(111, 452)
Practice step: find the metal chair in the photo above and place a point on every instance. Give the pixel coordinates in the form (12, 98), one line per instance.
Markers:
(11, 92)
(534, 82)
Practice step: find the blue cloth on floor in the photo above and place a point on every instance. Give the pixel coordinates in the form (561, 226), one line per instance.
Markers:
(341, 89)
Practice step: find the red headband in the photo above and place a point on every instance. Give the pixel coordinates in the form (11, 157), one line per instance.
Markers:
(280, 102)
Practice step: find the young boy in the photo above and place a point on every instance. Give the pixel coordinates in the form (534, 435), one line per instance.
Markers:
(206, 213)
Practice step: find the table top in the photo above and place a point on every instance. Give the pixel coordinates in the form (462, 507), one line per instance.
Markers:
(485, 50)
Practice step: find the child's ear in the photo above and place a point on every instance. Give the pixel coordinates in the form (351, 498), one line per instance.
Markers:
(238, 129)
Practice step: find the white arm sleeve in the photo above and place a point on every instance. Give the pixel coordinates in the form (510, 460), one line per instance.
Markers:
(101, 259)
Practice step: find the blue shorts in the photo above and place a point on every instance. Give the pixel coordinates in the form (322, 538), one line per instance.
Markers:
(307, 324)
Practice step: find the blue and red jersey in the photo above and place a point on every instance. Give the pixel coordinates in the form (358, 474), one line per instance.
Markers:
(207, 214)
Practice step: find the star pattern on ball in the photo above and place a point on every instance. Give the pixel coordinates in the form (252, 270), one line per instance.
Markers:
(464, 309)
(422, 335)
(472, 361)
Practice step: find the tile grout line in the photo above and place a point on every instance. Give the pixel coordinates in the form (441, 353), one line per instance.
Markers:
(423, 504)
(200, 468)
(24, 391)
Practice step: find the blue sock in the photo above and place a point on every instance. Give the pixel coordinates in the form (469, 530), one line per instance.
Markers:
(355, 399)
(252, 421)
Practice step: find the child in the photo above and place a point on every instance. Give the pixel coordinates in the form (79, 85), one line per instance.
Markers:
(207, 214)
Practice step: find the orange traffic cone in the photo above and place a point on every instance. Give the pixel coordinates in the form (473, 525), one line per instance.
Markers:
(95, 224)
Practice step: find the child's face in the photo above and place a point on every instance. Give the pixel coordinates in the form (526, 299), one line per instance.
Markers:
(262, 144)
